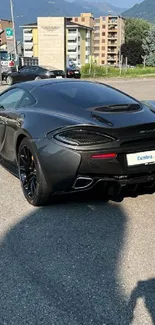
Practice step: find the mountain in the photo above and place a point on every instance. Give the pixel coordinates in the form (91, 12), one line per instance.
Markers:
(102, 7)
(118, 3)
(145, 10)
(27, 11)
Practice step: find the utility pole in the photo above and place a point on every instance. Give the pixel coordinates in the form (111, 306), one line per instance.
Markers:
(1, 32)
(14, 32)
(120, 46)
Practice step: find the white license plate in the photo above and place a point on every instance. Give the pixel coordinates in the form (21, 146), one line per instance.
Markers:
(59, 77)
(4, 63)
(141, 158)
(77, 72)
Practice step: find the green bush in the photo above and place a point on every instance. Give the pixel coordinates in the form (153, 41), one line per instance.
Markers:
(95, 71)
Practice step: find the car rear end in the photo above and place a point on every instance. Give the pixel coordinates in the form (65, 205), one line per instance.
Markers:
(108, 138)
(58, 74)
(113, 161)
(73, 73)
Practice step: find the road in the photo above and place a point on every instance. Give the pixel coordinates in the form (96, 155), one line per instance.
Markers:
(78, 261)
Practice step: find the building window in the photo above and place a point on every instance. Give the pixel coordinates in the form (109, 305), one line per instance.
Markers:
(27, 31)
(103, 26)
(103, 41)
(96, 28)
(71, 30)
(72, 41)
(97, 20)
(103, 18)
(103, 33)
(71, 50)
(96, 48)
(97, 35)
(76, 19)
(103, 61)
(96, 42)
(103, 48)
(83, 19)
(103, 55)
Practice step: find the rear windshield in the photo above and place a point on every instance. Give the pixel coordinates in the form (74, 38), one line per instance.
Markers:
(84, 95)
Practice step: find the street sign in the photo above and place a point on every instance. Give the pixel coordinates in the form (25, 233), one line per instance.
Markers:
(9, 33)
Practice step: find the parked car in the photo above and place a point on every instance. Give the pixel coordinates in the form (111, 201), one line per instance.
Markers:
(73, 72)
(61, 136)
(28, 73)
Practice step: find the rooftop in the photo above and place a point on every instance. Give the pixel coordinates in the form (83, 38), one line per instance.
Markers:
(69, 23)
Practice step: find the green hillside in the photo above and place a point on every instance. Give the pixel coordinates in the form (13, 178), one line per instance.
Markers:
(145, 10)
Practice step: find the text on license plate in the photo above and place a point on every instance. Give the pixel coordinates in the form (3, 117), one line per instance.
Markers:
(140, 158)
(59, 77)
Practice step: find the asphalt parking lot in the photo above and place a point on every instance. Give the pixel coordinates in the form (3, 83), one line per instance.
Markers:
(78, 261)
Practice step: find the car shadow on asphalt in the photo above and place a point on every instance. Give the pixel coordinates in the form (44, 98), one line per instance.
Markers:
(60, 266)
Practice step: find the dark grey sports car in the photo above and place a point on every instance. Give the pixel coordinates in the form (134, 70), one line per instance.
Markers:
(28, 73)
(61, 136)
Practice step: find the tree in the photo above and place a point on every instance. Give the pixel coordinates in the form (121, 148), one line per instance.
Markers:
(135, 31)
(133, 51)
(148, 46)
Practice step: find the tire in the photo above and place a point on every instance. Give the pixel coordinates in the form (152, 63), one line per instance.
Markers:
(9, 80)
(35, 191)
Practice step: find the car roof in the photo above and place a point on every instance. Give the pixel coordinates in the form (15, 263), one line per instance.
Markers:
(30, 85)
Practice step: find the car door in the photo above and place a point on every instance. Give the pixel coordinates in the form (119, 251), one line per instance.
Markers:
(25, 74)
(31, 73)
(9, 122)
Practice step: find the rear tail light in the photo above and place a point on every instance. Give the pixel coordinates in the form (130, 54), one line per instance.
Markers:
(80, 137)
(70, 72)
(104, 156)
(11, 64)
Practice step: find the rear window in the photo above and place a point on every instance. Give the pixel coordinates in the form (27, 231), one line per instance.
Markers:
(84, 95)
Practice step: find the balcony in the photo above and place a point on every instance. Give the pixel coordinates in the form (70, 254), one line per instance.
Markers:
(72, 37)
(112, 50)
(72, 46)
(28, 37)
(28, 54)
(112, 36)
(112, 30)
(114, 44)
(28, 32)
(112, 58)
(112, 21)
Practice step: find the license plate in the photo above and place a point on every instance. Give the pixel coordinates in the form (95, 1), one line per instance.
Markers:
(59, 77)
(4, 63)
(77, 72)
(141, 158)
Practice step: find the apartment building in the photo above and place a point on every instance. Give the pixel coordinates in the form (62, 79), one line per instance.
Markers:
(86, 19)
(30, 40)
(3, 25)
(78, 41)
(109, 34)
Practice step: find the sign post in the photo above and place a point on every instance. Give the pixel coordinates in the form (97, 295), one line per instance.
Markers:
(1, 32)
(9, 33)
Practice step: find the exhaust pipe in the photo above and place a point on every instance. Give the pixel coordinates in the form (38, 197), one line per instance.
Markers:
(82, 183)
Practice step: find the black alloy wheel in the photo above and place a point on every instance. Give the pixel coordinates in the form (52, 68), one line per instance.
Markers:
(27, 170)
(9, 81)
(32, 179)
